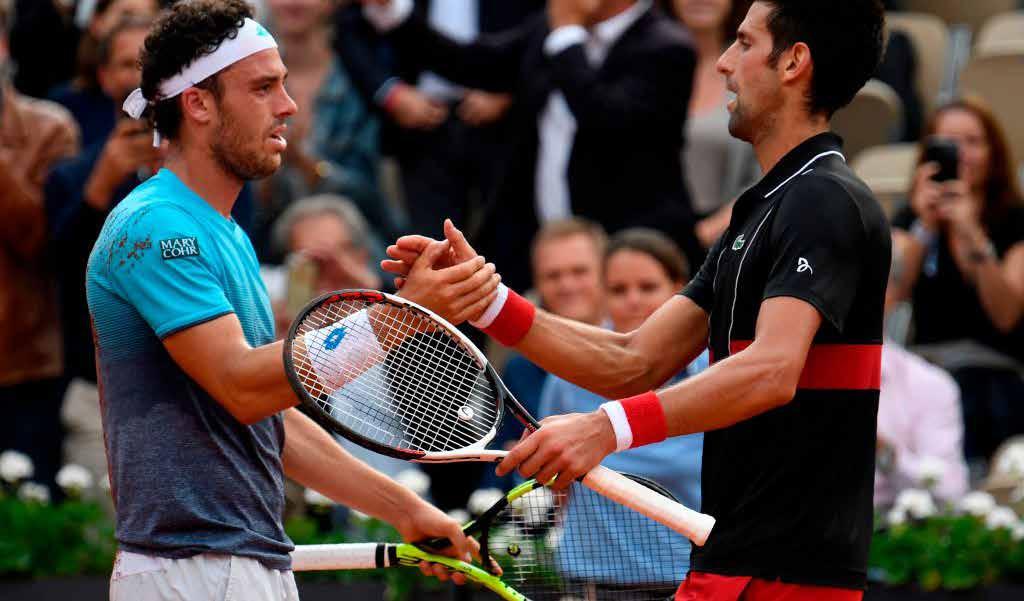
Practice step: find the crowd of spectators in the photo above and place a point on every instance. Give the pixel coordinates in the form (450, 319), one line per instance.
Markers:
(594, 168)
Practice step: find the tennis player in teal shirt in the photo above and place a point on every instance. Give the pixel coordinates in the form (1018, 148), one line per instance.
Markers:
(198, 416)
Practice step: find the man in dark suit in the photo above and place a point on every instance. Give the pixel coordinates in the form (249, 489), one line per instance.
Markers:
(601, 89)
(447, 139)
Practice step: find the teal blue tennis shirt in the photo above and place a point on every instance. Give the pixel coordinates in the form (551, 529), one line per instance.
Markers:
(186, 476)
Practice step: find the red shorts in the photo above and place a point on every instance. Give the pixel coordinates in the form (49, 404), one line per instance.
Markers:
(701, 586)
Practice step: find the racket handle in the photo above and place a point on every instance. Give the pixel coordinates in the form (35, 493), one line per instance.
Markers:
(354, 556)
(691, 524)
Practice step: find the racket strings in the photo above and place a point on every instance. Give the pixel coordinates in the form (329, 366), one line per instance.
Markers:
(393, 376)
(582, 546)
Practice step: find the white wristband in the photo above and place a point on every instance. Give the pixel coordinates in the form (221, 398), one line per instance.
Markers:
(492, 311)
(620, 424)
(353, 345)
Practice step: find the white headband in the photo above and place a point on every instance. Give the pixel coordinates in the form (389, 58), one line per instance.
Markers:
(251, 38)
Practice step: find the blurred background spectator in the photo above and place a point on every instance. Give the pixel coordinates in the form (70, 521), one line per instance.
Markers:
(33, 135)
(334, 140)
(642, 269)
(960, 249)
(718, 166)
(447, 139)
(597, 123)
(106, 66)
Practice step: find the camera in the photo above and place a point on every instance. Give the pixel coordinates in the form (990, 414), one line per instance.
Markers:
(944, 153)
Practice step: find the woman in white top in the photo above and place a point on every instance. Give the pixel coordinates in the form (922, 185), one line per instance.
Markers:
(718, 166)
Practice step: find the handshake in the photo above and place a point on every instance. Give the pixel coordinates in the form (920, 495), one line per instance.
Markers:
(446, 276)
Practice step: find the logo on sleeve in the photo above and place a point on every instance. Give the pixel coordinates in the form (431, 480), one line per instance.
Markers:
(176, 248)
(738, 243)
(802, 265)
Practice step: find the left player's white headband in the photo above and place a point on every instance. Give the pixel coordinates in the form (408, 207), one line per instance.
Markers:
(250, 39)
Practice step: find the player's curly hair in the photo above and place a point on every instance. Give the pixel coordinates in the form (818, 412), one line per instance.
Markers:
(846, 42)
(186, 32)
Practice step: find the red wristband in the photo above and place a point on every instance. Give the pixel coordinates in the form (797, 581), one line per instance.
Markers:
(514, 320)
(646, 418)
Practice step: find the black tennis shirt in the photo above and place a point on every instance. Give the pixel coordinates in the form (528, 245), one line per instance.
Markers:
(791, 489)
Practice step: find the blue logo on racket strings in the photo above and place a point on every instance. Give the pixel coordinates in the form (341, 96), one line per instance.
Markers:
(334, 338)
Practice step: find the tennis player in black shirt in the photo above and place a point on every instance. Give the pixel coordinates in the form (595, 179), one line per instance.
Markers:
(790, 304)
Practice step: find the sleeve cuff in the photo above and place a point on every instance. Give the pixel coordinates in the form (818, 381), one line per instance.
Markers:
(387, 16)
(563, 37)
(383, 95)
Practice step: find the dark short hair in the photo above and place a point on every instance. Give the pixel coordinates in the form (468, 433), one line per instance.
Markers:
(182, 34)
(846, 38)
(654, 244)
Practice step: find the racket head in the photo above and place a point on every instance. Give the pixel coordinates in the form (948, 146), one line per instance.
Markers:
(391, 376)
(577, 544)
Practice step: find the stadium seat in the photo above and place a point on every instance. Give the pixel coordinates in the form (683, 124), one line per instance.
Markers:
(870, 120)
(889, 171)
(972, 13)
(930, 37)
(1000, 31)
(998, 78)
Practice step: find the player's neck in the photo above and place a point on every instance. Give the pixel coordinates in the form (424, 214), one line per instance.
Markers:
(784, 135)
(204, 176)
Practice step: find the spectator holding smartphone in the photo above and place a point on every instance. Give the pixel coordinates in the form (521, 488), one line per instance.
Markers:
(960, 261)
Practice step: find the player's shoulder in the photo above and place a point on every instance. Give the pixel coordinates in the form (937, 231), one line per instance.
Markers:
(833, 195)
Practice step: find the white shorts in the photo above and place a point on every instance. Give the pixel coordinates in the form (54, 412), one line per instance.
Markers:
(206, 577)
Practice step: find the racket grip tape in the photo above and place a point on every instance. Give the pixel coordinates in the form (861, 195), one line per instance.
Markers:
(355, 556)
(693, 525)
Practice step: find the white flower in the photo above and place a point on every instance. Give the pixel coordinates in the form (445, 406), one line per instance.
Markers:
(31, 491)
(977, 503)
(316, 499)
(1017, 495)
(896, 516)
(1001, 517)
(553, 539)
(917, 503)
(483, 499)
(15, 466)
(1011, 461)
(1017, 532)
(74, 478)
(459, 515)
(930, 471)
(415, 480)
(537, 508)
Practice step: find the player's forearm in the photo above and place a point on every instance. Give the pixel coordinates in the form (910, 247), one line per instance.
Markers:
(597, 359)
(735, 389)
(314, 459)
(257, 384)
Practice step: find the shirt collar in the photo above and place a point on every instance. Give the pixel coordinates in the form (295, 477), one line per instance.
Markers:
(800, 160)
(609, 31)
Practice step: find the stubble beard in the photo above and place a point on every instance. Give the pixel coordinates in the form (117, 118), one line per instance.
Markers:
(229, 150)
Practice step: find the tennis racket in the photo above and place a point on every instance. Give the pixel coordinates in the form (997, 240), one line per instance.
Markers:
(550, 546)
(397, 379)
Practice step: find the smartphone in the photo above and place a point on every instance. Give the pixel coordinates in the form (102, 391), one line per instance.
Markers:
(303, 274)
(946, 155)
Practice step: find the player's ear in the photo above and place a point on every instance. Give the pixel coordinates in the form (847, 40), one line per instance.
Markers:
(796, 62)
(198, 105)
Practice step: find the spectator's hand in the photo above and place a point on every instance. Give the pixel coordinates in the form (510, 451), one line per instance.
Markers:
(338, 269)
(414, 110)
(457, 293)
(572, 12)
(425, 522)
(404, 252)
(957, 207)
(565, 445)
(483, 108)
(926, 196)
(129, 148)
